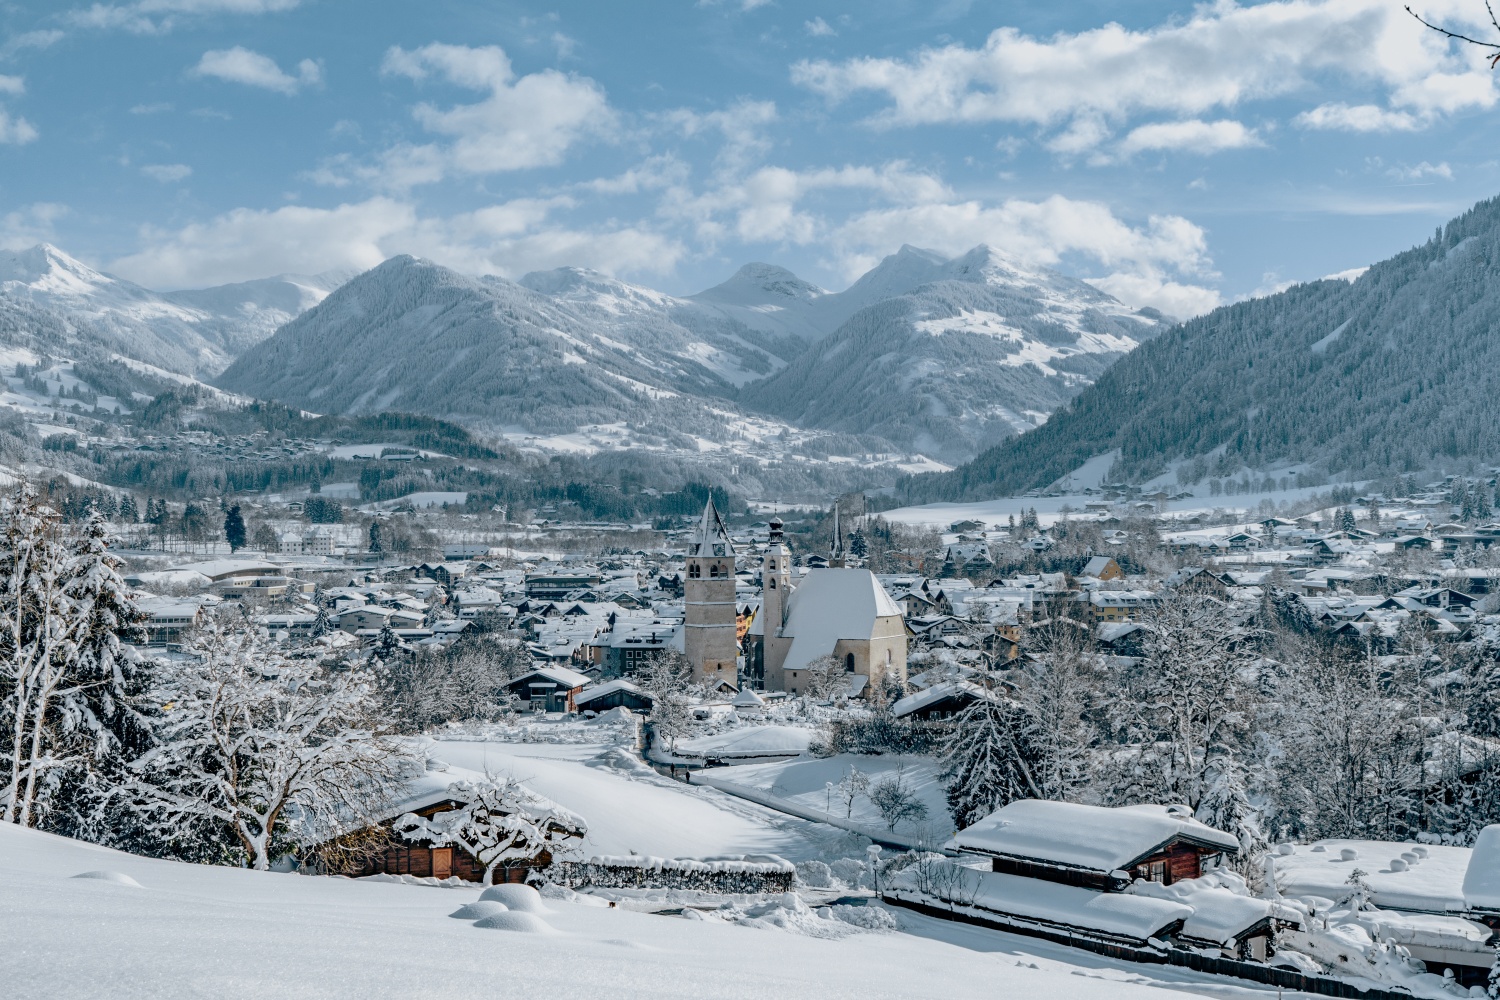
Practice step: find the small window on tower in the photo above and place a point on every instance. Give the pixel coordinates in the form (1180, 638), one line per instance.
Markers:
(772, 564)
(773, 583)
(695, 571)
(718, 550)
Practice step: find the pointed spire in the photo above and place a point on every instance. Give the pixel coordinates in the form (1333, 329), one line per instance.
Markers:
(710, 538)
(836, 550)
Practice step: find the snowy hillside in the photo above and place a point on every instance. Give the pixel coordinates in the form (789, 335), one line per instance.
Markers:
(193, 332)
(947, 357)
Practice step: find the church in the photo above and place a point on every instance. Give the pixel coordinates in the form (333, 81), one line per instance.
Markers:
(839, 611)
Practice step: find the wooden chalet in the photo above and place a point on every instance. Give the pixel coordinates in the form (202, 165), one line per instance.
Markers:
(379, 850)
(1095, 847)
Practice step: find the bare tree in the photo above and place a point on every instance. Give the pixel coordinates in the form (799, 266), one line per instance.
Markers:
(1493, 47)
(248, 737)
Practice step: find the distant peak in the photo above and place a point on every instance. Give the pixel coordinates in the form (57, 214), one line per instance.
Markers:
(49, 265)
(758, 277)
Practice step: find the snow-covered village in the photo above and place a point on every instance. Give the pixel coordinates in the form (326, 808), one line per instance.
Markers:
(734, 499)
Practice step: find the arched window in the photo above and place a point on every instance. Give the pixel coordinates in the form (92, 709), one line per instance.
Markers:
(848, 663)
(715, 571)
(773, 583)
(771, 564)
(694, 570)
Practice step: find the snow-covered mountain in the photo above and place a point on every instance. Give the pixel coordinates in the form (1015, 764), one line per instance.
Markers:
(558, 351)
(948, 356)
(193, 332)
(923, 354)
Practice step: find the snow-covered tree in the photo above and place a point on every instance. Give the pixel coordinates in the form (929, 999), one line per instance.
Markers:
(989, 762)
(499, 821)
(668, 677)
(248, 736)
(895, 801)
(64, 687)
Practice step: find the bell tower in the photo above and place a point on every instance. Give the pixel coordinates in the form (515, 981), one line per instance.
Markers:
(775, 598)
(709, 636)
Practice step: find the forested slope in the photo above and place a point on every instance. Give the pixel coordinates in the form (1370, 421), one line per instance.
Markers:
(1398, 370)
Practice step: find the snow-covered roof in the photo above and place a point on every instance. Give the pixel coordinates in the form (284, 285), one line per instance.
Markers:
(939, 692)
(1481, 885)
(1135, 917)
(432, 786)
(607, 688)
(754, 741)
(223, 569)
(833, 604)
(1095, 838)
(1220, 913)
(560, 675)
(1433, 883)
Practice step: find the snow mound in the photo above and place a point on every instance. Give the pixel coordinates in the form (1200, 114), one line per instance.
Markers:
(451, 882)
(622, 760)
(617, 716)
(480, 910)
(524, 923)
(520, 898)
(787, 912)
(118, 878)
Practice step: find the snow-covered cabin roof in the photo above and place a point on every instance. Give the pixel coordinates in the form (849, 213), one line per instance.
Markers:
(1222, 908)
(432, 786)
(607, 688)
(833, 604)
(956, 689)
(1095, 838)
(561, 676)
(750, 742)
(1433, 884)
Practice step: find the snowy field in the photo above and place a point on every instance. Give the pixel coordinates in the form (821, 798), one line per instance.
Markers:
(162, 929)
(632, 809)
(198, 931)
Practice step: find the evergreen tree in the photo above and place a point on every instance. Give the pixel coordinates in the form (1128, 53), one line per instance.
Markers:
(375, 545)
(234, 529)
(858, 547)
(989, 762)
(1347, 521)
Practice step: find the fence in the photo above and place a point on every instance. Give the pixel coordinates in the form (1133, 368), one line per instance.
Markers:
(1284, 978)
(720, 876)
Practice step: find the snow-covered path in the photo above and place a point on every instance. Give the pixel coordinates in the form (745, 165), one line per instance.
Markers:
(189, 931)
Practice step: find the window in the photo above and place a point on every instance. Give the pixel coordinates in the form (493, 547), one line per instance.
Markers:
(773, 583)
(849, 663)
(1152, 871)
(771, 564)
(694, 571)
(715, 571)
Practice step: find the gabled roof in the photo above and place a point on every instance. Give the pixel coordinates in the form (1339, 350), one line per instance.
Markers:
(1094, 838)
(561, 676)
(833, 604)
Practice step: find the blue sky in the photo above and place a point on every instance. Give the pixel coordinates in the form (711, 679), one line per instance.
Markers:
(1178, 156)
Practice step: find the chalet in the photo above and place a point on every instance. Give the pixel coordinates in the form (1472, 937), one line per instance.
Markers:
(1197, 580)
(1095, 847)
(941, 700)
(167, 621)
(1116, 605)
(379, 850)
(967, 560)
(549, 689)
(617, 693)
(1102, 568)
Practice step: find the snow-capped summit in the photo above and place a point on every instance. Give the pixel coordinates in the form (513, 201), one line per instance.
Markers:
(768, 298)
(192, 332)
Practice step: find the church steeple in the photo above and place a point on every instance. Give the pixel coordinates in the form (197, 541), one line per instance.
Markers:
(710, 537)
(836, 548)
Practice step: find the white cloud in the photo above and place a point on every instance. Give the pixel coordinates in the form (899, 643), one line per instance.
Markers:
(1421, 171)
(1222, 56)
(1357, 118)
(819, 28)
(40, 39)
(12, 84)
(1149, 265)
(31, 225)
(15, 131)
(508, 239)
(742, 125)
(151, 109)
(1191, 136)
(525, 122)
(167, 173)
(159, 16)
(240, 65)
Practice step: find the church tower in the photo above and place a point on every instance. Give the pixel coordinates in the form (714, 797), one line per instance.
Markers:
(776, 592)
(709, 637)
(836, 558)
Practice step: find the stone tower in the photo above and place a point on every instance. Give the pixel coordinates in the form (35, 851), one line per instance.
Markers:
(776, 589)
(709, 638)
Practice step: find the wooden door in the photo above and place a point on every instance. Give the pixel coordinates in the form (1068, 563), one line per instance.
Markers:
(442, 862)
